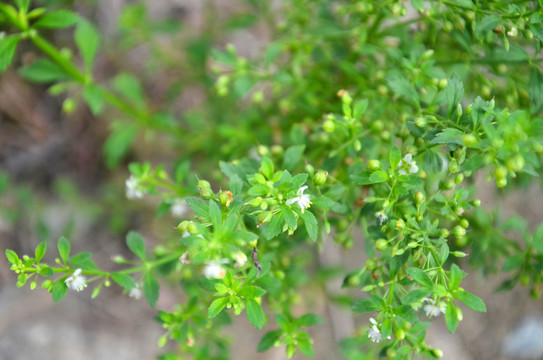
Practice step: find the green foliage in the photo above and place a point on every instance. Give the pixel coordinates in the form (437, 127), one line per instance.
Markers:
(351, 116)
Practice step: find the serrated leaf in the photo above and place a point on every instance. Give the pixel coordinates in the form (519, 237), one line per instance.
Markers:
(456, 276)
(394, 157)
(92, 94)
(311, 224)
(292, 156)
(80, 259)
(235, 184)
(199, 207)
(487, 23)
(136, 244)
(119, 142)
(87, 39)
(360, 108)
(365, 306)
(8, 45)
(255, 314)
(432, 162)
(306, 347)
(43, 71)
(451, 319)
(472, 301)
(444, 253)
(289, 216)
(454, 93)
(12, 256)
(215, 215)
(63, 248)
(57, 19)
(274, 227)
(416, 296)
(448, 136)
(251, 292)
(268, 340)
(40, 251)
(123, 280)
(59, 291)
(309, 320)
(400, 86)
(378, 176)
(151, 289)
(420, 277)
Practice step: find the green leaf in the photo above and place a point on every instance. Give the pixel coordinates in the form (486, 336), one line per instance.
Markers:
(311, 224)
(267, 167)
(416, 296)
(400, 86)
(216, 307)
(456, 276)
(432, 162)
(80, 259)
(92, 94)
(40, 251)
(151, 289)
(420, 277)
(378, 176)
(251, 292)
(130, 88)
(451, 318)
(535, 90)
(215, 214)
(199, 207)
(455, 93)
(119, 142)
(23, 5)
(306, 347)
(59, 290)
(136, 244)
(537, 242)
(87, 40)
(365, 306)
(418, 5)
(274, 227)
(12, 257)
(63, 248)
(309, 320)
(360, 108)
(8, 45)
(235, 184)
(289, 216)
(448, 136)
(255, 314)
(292, 156)
(394, 157)
(472, 301)
(123, 280)
(486, 24)
(43, 71)
(57, 19)
(444, 253)
(365, 178)
(269, 339)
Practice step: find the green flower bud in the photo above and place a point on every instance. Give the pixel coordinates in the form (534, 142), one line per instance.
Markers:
(437, 353)
(381, 244)
(192, 228)
(501, 183)
(204, 184)
(459, 254)
(310, 169)
(476, 203)
(468, 109)
(68, 106)
(500, 172)
(223, 197)
(329, 126)
(470, 140)
(264, 205)
(374, 165)
(371, 264)
(207, 193)
(46, 284)
(442, 84)
(459, 314)
(258, 97)
(400, 334)
(459, 178)
(420, 122)
(357, 145)
(321, 177)
(277, 150)
(256, 201)
(459, 231)
(413, 244)
(265, 217)
(400, 224)
(464, 223)
(516, 163)
(263, 150)
(399, 252)
(419, 197)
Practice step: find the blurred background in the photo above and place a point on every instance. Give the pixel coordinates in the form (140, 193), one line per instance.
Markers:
(61, 174)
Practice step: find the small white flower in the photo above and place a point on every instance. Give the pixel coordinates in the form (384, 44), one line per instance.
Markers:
(179, 207)
(513, 32)
(133, 190)
(76, 281)
(381, 217)
(135, 292)
(374, 333)
(214, 270)
(432, 308)
(241, 259)
(408, 165)
(184, 258)
(303, 200)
